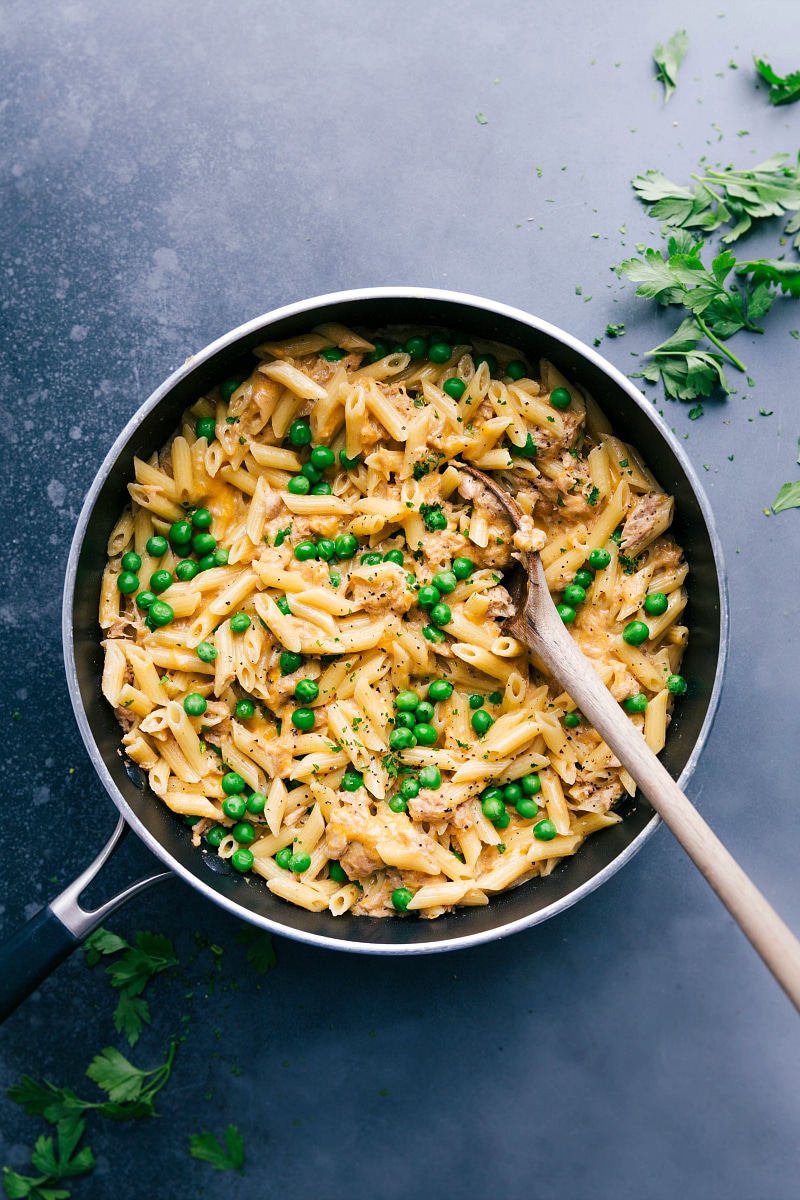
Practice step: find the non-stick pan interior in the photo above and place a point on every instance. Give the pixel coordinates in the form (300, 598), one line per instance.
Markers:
(633, 420)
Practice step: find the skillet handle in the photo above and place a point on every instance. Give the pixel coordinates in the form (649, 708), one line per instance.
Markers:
(42, 944)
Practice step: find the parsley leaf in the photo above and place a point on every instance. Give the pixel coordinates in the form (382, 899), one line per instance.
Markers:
(783, 89)
(54, 1165)
(228, 1158)
(685, 371)
(668, 59)
(765, 271)
(152, 954)
(260, 951)
(788, 497)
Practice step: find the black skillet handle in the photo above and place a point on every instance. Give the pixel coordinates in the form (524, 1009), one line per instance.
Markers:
(42, 944)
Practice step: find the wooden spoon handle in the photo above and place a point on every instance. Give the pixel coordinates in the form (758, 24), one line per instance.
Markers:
(773, 940)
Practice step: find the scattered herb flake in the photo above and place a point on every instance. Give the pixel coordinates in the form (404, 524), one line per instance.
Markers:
(481, 119)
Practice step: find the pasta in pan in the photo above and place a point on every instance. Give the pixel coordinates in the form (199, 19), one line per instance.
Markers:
(303, 612)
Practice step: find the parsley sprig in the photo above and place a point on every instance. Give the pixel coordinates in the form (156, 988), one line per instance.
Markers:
(260, 951)
(229, 1157)
(668, 59)
(130, 974)
(783, 89)
(56, 1159)
(772, 189)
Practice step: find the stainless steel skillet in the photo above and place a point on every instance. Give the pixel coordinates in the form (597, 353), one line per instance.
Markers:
(39, 946)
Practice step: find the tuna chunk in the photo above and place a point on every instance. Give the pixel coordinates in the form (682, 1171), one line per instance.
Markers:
(649, 517)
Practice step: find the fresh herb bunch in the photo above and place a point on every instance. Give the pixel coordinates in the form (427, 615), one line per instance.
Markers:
(152, 954)
(783, 89)
(771, 189)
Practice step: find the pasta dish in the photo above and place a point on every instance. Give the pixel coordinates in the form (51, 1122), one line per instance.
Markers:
(303, 614)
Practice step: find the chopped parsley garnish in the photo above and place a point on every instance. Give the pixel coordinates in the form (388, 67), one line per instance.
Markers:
(592, 496)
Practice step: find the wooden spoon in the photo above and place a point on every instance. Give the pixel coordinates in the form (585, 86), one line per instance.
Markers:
(538, 625)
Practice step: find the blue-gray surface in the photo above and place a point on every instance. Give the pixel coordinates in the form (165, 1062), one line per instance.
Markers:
(170, 171)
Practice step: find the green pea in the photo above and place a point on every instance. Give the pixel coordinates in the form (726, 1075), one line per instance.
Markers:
(445, 581)
(495, 697)
(332, 354)
(481, 722)
(490, 361)
(405, 720)
(325, 549)
(204, 543)
(234, 807)
(346, 545)
(306, 690)
(512, 792)
(242, 860)
(545, 831)
(428, 596)
(180, 534)
(492, 793)
(145, 599)
(440, 614)
(560, 398)
(207, 562)
(352, 781)
(283, 605)
(156, 546)
(424, 711)
(463, 567)
(303, 718)
(322, 457)
(493, 808)
(256, 803)
(583, 578)
(336, 578)
(436, 520)
(409, 788)
(215, 834)
(290, 662)
(349, 464)
(454, 388)
(240, 622)
(371, 560)
(381, 349)
(128, 582)
(283, 857)
(194, 704)
(298, 485)
(433, 634)
(232, 783)
(300, 433)
(440, 352)
(566, 612)
(574, 594)
(245, 709)
(635, 704)
(572, 720)
(407, 701)
(394, 556)
(677, 685)
(401, 898)
(206, 427)
(305, 550)
(206, 652)
(311, 473)
(527, 808)
(516, 369)
(160, 581)
(244, 833)
(635, 632)
(160, 613)
(131, 561)
(655, 604)
(398, 803)
(599, 559)
(401, 739)
(476, 701)
(531, 785)
(185, 570)
(300, 862)
(430, 777)
(227, 389)
(417, 347)
(440, 689)
(425, 734)
(336, 872)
